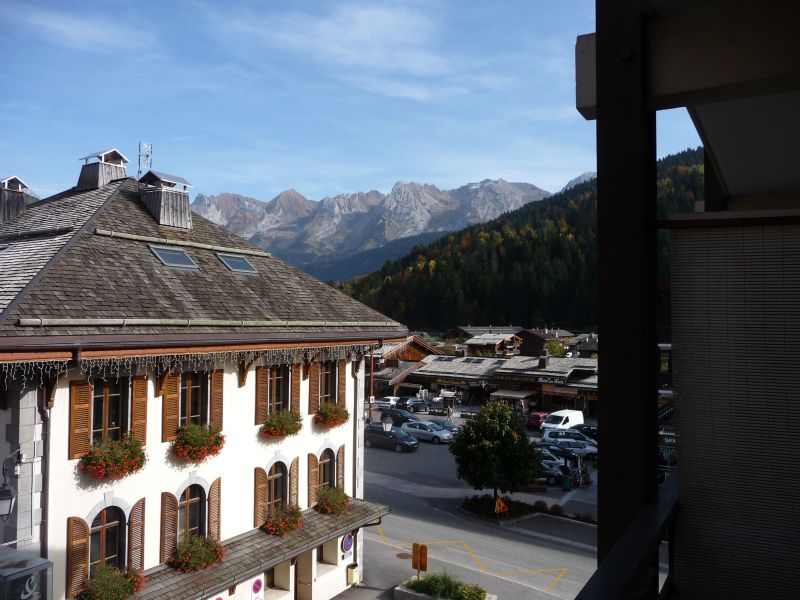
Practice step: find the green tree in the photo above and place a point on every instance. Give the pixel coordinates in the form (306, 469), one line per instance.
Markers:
(492, 451)
(554, 349)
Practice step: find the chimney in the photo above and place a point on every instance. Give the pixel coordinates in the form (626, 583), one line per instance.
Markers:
(12, 198)
(162, 196)
(105, 167)
(544, 361)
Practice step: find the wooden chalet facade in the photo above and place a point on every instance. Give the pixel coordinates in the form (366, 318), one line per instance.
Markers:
(128, 316)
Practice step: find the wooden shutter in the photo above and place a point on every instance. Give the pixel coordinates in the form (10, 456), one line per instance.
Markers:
(294, 482)
(262, 395)
(260, 500)
(136, 537)
(169, 526)
(295, 400)
(313, 384)
(77, 555)
(215, 418)
(170, 407)
(341, 392)
(80, 418)
(139, 409)
(313, 479)
(214, 508)
(340, 468)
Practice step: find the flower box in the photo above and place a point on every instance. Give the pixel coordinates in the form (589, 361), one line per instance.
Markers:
(195, 443)
(197, 553)
(112, 459)
(331, 415)
(109, 583)
(283, 520)
(281, 424)
(331, 500)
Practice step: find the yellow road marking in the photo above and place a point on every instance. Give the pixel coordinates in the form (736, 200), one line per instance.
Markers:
(556, 580)
(383, 535)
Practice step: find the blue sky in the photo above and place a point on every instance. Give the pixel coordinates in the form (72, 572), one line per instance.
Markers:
(323, 97)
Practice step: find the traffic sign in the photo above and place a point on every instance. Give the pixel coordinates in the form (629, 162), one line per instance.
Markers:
(500, 505)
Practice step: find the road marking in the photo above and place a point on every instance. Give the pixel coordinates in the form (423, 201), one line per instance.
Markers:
(383, 535)
(556, 580)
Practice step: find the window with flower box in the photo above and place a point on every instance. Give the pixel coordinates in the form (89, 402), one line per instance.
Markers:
(191, 512)
(328, 371)
(110, 408)
(194, 398)
(107, 540)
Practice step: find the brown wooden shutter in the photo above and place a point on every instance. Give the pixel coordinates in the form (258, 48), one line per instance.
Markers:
(260, 500)
(294, 482)
(169, 526)
(341, 393)
(139, 409)
(77, 555)
(340, 468)
(80, 418)
(215, 418)
(295, 400)
(262, 395)
(313, 384)
(313, 479)
(170, 407)
(136, 537)
(215, 508)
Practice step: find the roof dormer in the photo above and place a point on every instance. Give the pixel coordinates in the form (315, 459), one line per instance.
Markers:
(12, 198)
(161, 193)
(101, 168)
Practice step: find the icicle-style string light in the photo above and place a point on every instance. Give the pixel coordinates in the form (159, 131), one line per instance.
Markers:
(34, 372)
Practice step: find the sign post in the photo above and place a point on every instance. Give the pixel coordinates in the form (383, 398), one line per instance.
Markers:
(419, 558)
(500, 506)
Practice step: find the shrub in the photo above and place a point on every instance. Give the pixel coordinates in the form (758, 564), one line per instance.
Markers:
(112, 459)
(195, 443)
(331, 415)
(197, 553)
(557, 509)
(281, 424)
(484, 506)
(109, 583)
(332, 500)
(540, 505)
(283, 520)
(443, 586)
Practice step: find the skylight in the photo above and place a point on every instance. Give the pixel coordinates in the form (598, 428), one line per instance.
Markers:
(172, 257)
(237, 263)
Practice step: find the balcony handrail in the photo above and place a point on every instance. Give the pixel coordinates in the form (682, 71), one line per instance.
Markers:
(621, 571)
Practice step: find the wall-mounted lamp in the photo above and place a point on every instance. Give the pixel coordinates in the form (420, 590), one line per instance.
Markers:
(7, 497)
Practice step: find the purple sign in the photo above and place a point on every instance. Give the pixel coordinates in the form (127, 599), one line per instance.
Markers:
(347, 542)
(257, 585)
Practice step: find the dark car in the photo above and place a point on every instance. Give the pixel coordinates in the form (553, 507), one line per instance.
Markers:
(587, 430)
(396, 439)
(399, 416)
(558, 451)
(413, 404)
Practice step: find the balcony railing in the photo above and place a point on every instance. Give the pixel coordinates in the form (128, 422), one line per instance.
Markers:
(630, 568)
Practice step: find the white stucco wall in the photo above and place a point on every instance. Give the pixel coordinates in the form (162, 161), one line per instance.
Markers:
(76, 494)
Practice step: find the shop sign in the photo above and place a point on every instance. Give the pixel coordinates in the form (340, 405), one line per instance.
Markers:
(549, 388)
(555, 380)
(452, 382)
(517, 378)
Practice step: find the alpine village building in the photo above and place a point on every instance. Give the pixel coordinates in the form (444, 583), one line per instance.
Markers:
(122, 313)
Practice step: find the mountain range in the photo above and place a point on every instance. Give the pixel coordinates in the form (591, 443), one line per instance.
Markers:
(351, 234)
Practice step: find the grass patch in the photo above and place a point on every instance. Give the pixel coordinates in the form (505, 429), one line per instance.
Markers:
(442, 586)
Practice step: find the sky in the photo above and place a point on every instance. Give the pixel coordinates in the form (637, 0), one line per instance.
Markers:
(323, 97)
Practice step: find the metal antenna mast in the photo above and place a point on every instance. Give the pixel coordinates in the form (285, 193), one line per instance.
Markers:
(145, 157)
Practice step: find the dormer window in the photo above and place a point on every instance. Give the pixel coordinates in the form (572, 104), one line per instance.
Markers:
(173, 257)
(237, 263)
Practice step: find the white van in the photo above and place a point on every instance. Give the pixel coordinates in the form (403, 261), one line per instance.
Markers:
(562, 419)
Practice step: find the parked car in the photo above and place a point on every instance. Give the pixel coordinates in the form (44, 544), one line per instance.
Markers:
(562, 419)
(552, 471)
(413, 404)
(397, 439)
(549, 456)
(581, 449)
(535, 420)
(386, 402)
(399, 416)
(449, 425)
(425, 430)
(557, 451)
(587, 430)
(554, 435)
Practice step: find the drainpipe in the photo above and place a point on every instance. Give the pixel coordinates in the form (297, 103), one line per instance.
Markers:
(44, 413)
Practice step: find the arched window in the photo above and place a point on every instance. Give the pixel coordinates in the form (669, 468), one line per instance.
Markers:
(107, 541)
(276, 486)
(191, 512)
(327, 465)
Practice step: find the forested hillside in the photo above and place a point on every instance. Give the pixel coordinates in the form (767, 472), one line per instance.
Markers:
(534, 265)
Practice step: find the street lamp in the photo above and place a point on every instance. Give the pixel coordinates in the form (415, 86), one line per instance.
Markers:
(386, 422)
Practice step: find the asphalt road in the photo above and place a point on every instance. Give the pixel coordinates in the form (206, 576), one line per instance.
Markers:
(424, 493)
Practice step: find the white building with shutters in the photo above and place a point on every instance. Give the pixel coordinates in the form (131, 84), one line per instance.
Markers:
(122, 314)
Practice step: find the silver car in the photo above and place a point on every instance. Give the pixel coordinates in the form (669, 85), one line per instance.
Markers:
(582, 449)
(425, 430)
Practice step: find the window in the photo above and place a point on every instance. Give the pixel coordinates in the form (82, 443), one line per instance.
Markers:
(194, 398)
(172, 257)
(327, 464)
(191, 513)
(107, 540)
(109, 408)
(276, 486)
(327, 381)
(278, 388)
(237, 263)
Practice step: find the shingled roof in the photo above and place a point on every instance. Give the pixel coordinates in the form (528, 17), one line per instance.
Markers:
(65, 282)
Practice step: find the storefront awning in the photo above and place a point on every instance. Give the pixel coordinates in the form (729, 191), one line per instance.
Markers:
(255, 552)
(512, 394)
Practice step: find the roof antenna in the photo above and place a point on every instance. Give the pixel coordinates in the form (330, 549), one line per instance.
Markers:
(145, 157)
